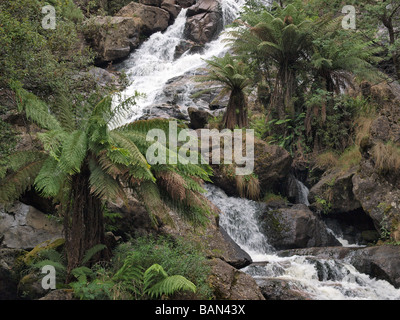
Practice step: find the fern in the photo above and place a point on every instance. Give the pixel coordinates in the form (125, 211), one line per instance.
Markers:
(157, 282)
(92, 251)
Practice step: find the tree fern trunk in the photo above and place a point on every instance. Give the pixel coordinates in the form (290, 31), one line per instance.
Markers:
(83, 222)
(236, 111)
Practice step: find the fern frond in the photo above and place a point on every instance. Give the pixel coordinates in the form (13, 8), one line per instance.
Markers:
(74, 150)
(59, 266)
(103, 185)
(92, 251)
(16, 183)
(158, 283)
(50, 179)
(34, 108)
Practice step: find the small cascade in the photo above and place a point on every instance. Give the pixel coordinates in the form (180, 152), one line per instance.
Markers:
(241, 222)
(315, 278)
(302, 193)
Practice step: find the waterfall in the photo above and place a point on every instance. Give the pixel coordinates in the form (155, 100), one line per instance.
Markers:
(153, 64)
(243, 228)
(319, 279)
(302, 193)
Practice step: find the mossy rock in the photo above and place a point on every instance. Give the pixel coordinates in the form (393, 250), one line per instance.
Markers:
(46, 245)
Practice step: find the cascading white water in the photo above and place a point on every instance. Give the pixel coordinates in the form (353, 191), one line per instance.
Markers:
(153, 64)
(302, 193)
(319, 279)
(241, 222)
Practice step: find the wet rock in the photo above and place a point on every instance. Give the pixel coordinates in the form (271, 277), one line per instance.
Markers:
(229, 283)
(240, 258)
(296, 227)
(172, 8)
(381, 262)
(185, 3)
(281, 289)
(165, 111)
(204, 21)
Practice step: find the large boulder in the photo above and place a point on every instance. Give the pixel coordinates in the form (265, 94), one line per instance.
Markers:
(296, 227)
(112, 38)
(379, 198)
(381, 262)
(229, 283)
(23, 227)
(149, 19)
(171, 6)
(272, 164)
(334, 192)
(204, 21)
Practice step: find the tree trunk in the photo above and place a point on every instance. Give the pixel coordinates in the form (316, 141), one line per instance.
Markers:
(388, 23)
(236, 111)
(281, 99)
(83, 221)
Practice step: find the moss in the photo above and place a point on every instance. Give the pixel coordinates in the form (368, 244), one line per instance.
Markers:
(46, 245)
(272, 221)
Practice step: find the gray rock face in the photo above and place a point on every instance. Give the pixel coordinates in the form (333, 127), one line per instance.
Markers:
(204, 21)
(336, 188)
(296, 227)
(24, 227)
(149, 19)
(112, 38)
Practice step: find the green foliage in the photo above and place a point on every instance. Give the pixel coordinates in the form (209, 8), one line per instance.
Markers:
(157, 282)
(303, 58)
(131, 277)
(178, 257)
(42, 59)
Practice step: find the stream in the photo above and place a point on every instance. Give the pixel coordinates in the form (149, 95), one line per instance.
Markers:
(319, 279)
